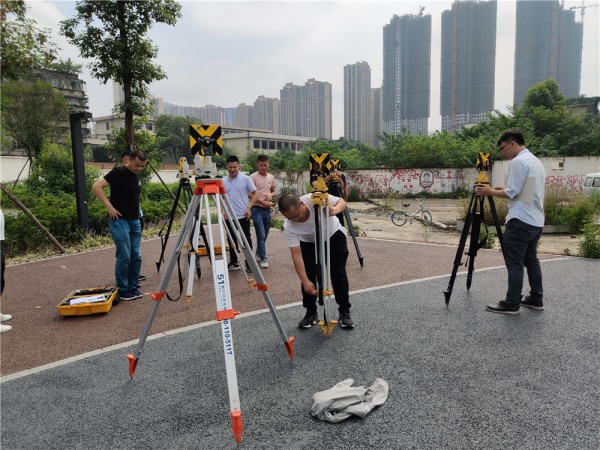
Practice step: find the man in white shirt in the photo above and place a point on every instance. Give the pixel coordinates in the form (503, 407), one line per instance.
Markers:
(524, 222)
(238, 186)
(299, 228)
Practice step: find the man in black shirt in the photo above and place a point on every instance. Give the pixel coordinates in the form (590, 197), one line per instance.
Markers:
(123, 220)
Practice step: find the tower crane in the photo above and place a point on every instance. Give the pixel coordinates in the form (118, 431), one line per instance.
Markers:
(582, 8)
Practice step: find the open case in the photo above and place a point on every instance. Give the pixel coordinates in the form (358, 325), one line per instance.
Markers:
(83, 302)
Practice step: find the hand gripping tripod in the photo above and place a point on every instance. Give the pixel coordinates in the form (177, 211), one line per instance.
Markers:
(214, 188)
(320, 200)
(473, 221)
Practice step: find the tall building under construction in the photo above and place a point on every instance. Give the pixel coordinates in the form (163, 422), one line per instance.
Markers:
(406, 73)
(467, 63)
(549, 44)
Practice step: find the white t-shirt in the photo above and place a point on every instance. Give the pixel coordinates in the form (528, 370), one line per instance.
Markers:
(295, 232)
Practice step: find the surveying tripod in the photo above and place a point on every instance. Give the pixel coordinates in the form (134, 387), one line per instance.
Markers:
(475, 217)
(185, 189)
(335, 188)
(320, 200)
(214, 189)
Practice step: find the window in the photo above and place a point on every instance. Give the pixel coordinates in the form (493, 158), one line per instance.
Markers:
(596, 182)
(256, 143)
(107, 126)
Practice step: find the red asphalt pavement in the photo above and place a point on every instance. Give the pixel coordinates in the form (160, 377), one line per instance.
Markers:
(40, 335)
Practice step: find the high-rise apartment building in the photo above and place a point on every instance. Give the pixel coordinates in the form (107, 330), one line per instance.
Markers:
(290, 110)
(357, 103)
(376, 115)
(266, 114)
(549, 44)
(406, 73)
(244, 116)
(316, 109)
(468, 63)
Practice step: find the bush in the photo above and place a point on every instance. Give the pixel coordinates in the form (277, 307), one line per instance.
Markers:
(570, 210)
(589, 246)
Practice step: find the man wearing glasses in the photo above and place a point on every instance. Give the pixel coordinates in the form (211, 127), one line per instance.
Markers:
(299, 229)
(524, 222)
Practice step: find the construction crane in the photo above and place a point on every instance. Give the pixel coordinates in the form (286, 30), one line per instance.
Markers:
(421, 9)
(582, 8)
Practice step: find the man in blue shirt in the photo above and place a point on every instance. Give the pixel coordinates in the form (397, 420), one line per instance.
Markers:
(238, 186)
(524, 222)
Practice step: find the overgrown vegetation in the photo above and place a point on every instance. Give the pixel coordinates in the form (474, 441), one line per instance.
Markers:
(589, 246)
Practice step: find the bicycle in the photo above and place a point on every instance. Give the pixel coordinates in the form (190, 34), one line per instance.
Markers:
(400, 217)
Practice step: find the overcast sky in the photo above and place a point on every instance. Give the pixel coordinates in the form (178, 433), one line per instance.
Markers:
(230, 52)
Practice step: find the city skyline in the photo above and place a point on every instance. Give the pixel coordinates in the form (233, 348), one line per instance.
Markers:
(259, 47)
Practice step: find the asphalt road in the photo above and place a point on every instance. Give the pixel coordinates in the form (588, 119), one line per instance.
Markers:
(459, 377)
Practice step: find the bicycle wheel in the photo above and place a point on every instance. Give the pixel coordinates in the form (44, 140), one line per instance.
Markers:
(399, 218)
(426, 218)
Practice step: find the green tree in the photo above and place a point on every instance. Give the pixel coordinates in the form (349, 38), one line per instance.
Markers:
(67, 65)
(173, 136)
(24, 46)
(33, 113)
(113, 33)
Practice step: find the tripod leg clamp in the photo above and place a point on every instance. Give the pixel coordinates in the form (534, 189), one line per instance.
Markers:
(227, 314)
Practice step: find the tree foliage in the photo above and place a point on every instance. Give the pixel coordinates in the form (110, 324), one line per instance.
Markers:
(33, 113)
(173, 136)
(114, 34)
(24, 46)
(67, 65)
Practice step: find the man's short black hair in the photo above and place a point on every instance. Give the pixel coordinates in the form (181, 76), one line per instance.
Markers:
(511, 135)
(287, 201)
(232, 159)
(261, 158)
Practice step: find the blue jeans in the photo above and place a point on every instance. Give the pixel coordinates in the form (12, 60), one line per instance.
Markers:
(520, 251)
(262, 224)
(127, 235)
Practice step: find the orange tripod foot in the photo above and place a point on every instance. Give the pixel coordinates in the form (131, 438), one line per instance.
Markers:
(132, 364)
(289, 345)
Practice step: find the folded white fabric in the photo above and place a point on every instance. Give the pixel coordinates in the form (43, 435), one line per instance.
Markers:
(343, 400)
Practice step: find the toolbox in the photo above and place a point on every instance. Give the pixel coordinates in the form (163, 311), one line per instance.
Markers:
(82, 302)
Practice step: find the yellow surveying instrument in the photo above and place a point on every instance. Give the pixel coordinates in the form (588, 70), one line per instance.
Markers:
(323, 165)
(213, 189)
(473, 221)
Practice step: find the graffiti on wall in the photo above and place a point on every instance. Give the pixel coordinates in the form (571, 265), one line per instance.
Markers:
(572, 183)
(406, 181)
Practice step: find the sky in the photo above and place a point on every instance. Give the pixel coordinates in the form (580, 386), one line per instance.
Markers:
(229, 52)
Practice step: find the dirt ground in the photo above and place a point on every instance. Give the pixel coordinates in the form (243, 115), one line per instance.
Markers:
(373, 219)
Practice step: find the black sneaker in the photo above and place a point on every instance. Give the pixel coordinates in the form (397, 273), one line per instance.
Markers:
(503, 308)
(345, 321)
(309, 320)
(537, 304)
(138, 294)
(127, 295)
(233, 266)
(142, 278)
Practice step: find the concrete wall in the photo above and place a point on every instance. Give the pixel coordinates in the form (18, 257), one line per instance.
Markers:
(565, 172)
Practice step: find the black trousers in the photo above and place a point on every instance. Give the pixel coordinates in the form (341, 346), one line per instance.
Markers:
(339, 279)
(245, 224)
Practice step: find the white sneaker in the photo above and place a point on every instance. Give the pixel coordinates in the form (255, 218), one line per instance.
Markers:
(264, 264)
(5, 317)
(4, 328)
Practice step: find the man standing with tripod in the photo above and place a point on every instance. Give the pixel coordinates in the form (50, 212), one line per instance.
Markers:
(124, 220)
(524, 222)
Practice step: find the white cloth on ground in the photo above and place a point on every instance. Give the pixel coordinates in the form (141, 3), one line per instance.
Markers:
(343, 400)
